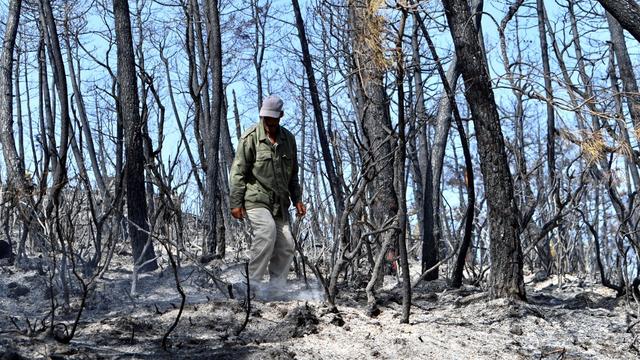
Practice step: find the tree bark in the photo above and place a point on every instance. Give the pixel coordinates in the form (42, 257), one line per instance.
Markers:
(432, 231)
(79, 98)
(627, 12)
(20, 132)
(506, 254)
(627, 75)
(402, 188)
(456, 280)
(14, 170)
(213, 129)
(236, 116)
(373, 107)
(129, 108)
(544, 251)
(259, 43)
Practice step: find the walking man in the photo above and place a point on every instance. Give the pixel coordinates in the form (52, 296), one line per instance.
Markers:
(264, 182)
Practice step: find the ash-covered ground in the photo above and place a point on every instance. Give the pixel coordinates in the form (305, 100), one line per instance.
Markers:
(580, 320)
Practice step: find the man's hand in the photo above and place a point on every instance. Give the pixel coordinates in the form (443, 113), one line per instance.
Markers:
(238, 213)
(300, 209)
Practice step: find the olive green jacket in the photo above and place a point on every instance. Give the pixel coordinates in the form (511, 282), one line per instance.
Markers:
(265, 175)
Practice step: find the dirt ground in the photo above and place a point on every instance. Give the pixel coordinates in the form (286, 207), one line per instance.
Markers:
(581, 320)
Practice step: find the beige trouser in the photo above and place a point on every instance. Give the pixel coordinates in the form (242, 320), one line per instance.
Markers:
(273, 247)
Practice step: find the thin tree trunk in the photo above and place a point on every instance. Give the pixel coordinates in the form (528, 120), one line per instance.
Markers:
(198, 83)
(213, 128)
(32, 138)
(432, 231)
(303, 138)
(129, 108)
(334, 181)
(236, 116)
(10, 152)
(400, 164)
(20, 129)
(544, 251)
(79, 98)
(259, 43)
(176, 114)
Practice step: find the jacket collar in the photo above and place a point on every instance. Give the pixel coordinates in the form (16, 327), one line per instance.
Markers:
(262, 133)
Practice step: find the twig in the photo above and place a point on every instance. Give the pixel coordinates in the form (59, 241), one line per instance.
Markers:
(67, 337)
(182, 295)
(248, 297)
(424, 274)
(302, 257)
(13, 321)
(630, 327)
(562, 352)
(323, 282)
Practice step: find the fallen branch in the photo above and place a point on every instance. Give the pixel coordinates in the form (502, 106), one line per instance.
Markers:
(433, 268)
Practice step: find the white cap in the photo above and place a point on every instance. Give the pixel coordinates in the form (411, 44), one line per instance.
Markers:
(272, 107)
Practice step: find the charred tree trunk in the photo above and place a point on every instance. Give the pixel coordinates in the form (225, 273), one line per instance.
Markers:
(334, 181)
(236, 116)
(212, 198)
(20, 132)
(10, 152)
(627, 75)
(456, 280)
(82, 112)
(183, 135)
(506, 254)
(429, 253)
(627, 12)
(260, 44)
(373, 107)
(432, 229)
(544, 251)
(400, 172)
(134, 167)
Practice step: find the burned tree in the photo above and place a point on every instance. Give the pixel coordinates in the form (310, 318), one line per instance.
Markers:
(506, 254)
(627, 12)
(11, 158)
(143, 252)
(372, 106)
(334, 181)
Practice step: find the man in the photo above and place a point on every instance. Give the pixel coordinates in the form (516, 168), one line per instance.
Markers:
(264, 181)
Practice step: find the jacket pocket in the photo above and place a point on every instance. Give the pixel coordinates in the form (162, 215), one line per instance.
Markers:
(262, 167)
(256, 194)
(263, 155)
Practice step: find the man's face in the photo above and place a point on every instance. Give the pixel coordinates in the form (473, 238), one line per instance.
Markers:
(271, 124)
